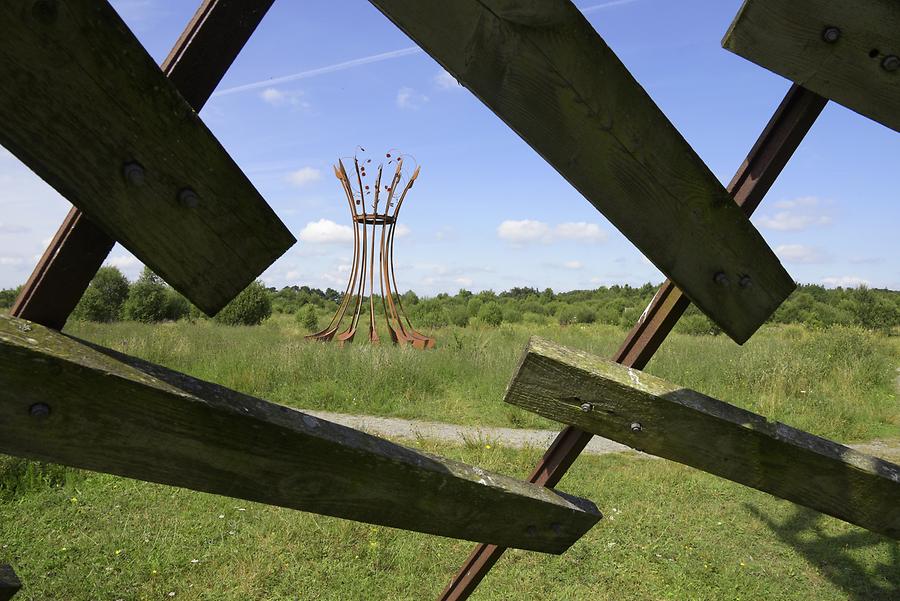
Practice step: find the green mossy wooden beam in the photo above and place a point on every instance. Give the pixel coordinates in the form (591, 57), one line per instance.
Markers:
(68, 402)
(846, 51)
(544, 70)
(654, 416)
(87, 109)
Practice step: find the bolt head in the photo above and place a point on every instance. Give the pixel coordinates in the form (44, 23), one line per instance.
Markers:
(891, 62)
(831, 34)
(721, 279)
(39, 410)
(586, 407)
(636, 427)
(745, 282)
(134, 173)
(188, 198)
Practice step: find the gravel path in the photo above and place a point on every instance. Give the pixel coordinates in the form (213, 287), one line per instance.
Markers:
(394, 428)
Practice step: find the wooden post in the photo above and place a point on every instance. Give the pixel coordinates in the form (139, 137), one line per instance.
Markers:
(76, 404)
(656, 417)
(9, 583)
(84, 106)
(846, 51)
(541, 67)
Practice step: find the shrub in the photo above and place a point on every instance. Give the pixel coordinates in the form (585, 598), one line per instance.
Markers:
(249, 308)
(566, 315)
(459, 315)
(308, 318)
(585, 314)
(511, 314)
(147, 299)
(491, 313)
(104, 297)
(8, 297)
(474, 306)
(177, 306)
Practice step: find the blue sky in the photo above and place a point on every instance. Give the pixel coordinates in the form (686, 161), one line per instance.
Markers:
(320, 78)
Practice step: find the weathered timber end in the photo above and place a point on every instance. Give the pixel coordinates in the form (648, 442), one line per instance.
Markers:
(76, 404)
(846, 51)
(544, 70)
(9, 583)
(656, 417)
(85, 107)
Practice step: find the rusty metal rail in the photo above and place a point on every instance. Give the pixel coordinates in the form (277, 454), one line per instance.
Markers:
(198, 61)
(775, 146)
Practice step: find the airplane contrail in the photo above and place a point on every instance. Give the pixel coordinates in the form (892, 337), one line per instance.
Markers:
(596, 7)
(356, 62)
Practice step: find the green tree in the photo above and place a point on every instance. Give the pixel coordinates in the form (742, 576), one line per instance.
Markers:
(491, 313)
(104, 297)
(147, 299)
(308, 318)
(249, 308)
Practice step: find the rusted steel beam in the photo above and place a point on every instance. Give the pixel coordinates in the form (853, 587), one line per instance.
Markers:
(198, 61)
(778, 141)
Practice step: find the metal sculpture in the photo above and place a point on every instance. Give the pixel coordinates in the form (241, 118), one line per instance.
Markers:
(362, 192)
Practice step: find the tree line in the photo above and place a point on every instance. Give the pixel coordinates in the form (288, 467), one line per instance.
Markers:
(111, 297)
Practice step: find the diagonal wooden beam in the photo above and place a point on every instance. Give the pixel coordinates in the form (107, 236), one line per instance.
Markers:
(198, 61)
(77, 404)
(848, 52)
(768, 156)
(9, 583)
(649, 414)
(544, 70)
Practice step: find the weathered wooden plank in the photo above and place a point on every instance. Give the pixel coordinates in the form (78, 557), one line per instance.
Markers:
(9, 583)
(846, 51)
(657, 417)
(75, 404)
(85, 107)
(541, 67)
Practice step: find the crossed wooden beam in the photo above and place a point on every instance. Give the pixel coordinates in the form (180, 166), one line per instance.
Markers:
(543, 70)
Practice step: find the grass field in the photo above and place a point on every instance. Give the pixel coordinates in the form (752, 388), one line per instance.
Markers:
(670, 532)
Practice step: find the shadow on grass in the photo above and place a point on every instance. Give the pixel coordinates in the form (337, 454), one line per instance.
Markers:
(829, 554)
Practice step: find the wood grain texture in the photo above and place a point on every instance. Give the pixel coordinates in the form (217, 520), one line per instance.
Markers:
(541, 67)
(787, 38)
(9, 583)
(116, 414)
(81, 98)
(697, 430)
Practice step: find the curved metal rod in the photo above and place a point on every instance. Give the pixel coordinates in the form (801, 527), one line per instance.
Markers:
(327, 334)
(350, 332)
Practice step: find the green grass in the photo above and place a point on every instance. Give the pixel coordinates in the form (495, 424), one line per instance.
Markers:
(669, 533)
(838, 383)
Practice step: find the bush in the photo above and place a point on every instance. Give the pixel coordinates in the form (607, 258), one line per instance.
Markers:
(491, 313)
(308, 318)
(566, 314)
(474, 306)
(177, 306)
(585, 314)
(147, 299)
(459, 315)
(8, 297)
(104, 297)
(249, 308)
(511, 314)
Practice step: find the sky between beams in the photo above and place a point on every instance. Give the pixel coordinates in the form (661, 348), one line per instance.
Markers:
(321, 77)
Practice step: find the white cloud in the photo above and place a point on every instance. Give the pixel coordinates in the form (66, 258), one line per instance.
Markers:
(579, 230)
(573, 264)
(10, 261)
(303, 176)
(798, 253)
(402, 230)
(408, 98)
(277, 97)
(123, 261)
(526, 230)
(798, 214)
(325, 231)
(463, 281)
(10, 228)
(445, 81)
(845, 281)
(530, 230)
